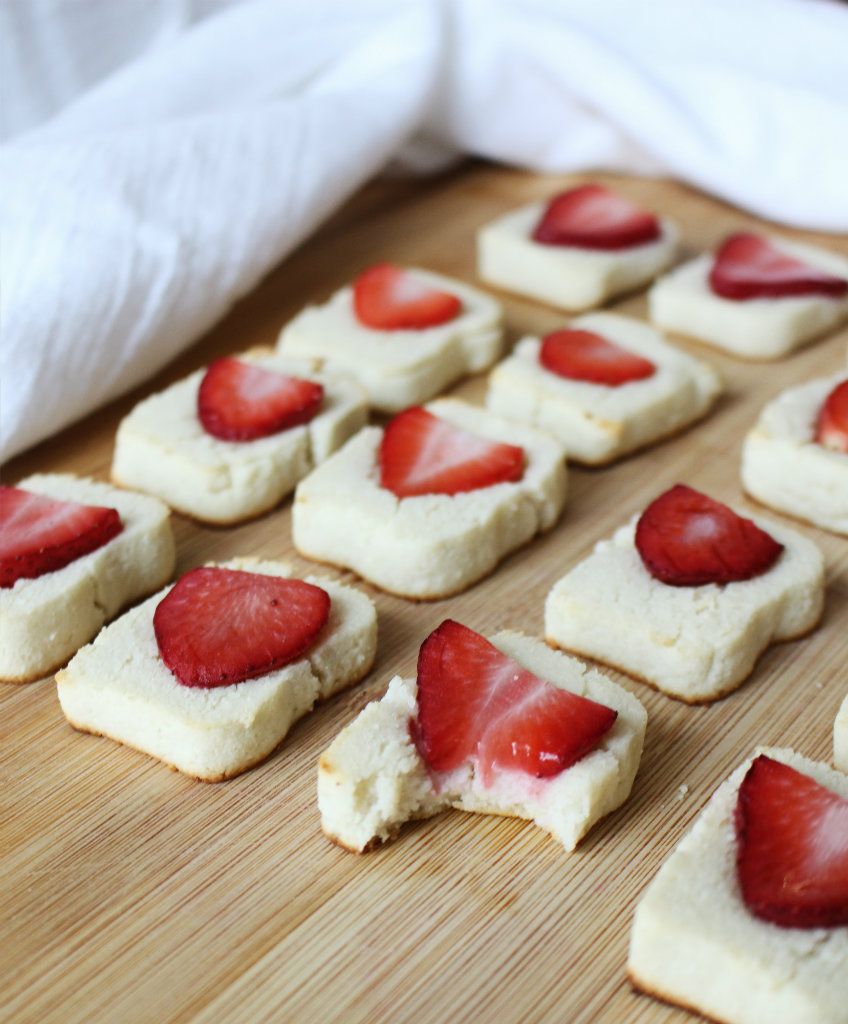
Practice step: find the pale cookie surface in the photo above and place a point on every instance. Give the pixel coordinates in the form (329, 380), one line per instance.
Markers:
(119, 687)
(694, 942)
(432, 545)
(596, 423)
(784, 467)
(694, 643)
(683, 302)
(399, 368)
(162, 448)
(840, 737)
(372, 780)
(44, 621)
(565, 276)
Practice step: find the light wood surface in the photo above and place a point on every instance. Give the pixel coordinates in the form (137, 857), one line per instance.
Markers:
(132, 894)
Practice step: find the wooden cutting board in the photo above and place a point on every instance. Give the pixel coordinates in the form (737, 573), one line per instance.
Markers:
(131, 893)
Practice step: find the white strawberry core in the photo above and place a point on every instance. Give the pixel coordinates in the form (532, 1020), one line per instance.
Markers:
(406, 289)
(829, 842)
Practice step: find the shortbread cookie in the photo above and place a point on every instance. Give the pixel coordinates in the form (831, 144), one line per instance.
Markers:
(576, 251)
(423, 333)
(478, 732)
(605, 387)
(757, 297)
(718, 591)
(432, 503)
(696, 942)
(840, 737)
(791, 461)
(163, 447)
(91, 555)
(191, 715)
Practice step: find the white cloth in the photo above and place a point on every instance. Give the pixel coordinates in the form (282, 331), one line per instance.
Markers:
(156, 164)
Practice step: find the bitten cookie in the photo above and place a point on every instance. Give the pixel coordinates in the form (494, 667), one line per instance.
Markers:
(228, 443)
(795, 459)
(743, 921)
(503, 727)
(688, 595)
(405, 334)
(209, 675)
(74, 552)
(840, 737)
(756, 297)
(430, 504)
(581, 248)
(605, 387)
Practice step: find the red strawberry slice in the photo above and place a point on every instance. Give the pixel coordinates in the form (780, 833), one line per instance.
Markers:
(686, 539)
(239, 401)
(792, 847)
(220, 626)
(422, 454)
(750, 267)
(389, 298)
(592, 217)
(832, 426)
(40, 535)
(584, 355)
(476, 705)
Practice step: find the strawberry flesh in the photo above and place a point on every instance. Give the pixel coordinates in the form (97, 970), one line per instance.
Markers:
(749, 266)
(239, 401)
(584, 355)
(217, 627)
(832, 425)
(792, 847)
(686, 539)
(477, 706)
(40, 534)
(389, 298)
(422, 454)
(593, 217)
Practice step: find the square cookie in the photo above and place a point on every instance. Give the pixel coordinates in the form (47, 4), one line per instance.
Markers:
(432, 545)
(372, 780)
(43, 621)
(120, 687)
(785, 468)
(754, 328)
(840, 737)
(162, 447)
(598, 423)
(696, 944)
(694, 643)
(400, 367)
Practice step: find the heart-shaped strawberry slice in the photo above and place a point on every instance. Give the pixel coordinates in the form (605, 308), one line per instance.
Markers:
(584, 355)
(40, 534)
(686, 539)
(792, 847)
(476, 705)
(749, 266)
(221, 626)
(832, 425)
(239, 401)
(592, 217)
(389, 298)
(422, 454)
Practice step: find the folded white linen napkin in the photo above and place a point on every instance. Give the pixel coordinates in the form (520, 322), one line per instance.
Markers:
(173, 155)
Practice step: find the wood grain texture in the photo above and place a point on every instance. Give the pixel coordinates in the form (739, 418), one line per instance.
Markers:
(133, 894)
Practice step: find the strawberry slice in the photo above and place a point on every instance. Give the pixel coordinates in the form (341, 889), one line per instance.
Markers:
(221, 626)
(686, 539)
(832, 425)
(584, 355)
(239, 401)
(749, 266)
(40, 534)
(389, 298)
(593, 217)
(422, 454)
(792, 847)
(476, 705)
